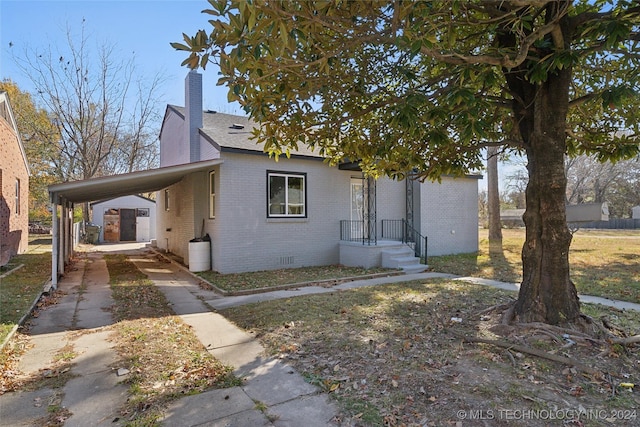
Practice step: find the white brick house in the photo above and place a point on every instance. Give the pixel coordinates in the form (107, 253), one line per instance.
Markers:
(299, 211)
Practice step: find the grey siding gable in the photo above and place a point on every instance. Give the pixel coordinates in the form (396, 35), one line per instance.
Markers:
(228, 132)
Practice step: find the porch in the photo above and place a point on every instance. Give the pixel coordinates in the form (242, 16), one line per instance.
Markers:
(399, 246)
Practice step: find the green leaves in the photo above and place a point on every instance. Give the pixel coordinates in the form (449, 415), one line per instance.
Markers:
(198, 46)
(411, 84)
(616, 96)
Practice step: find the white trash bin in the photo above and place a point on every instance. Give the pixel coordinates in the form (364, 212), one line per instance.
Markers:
(199, 256)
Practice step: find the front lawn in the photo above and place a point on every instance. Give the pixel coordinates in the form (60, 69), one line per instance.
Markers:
(20, 288)
(604, 263)
(404, 355)
(275, 278)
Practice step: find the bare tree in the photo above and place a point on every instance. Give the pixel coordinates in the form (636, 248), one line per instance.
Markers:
(103, 112)
(588, 180)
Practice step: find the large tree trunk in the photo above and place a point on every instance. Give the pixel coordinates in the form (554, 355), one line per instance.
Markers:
(547, 293)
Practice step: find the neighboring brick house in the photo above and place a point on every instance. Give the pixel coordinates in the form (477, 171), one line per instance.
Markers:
(14, 186)
(261, 214)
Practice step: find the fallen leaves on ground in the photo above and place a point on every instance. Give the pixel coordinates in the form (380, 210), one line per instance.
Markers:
(164, 358)
(10, 376)
(389, 357)
(272, 278)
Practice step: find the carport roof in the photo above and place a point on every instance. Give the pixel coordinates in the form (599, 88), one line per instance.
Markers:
(129, 183)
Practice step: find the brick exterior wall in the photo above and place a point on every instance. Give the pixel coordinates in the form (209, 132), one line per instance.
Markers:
(175, 225)
(448, 215)
(14, 227)
(243, 238)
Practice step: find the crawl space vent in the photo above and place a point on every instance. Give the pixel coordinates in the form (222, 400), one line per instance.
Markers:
(286, 260)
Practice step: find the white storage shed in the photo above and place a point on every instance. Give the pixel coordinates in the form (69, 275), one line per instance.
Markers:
(125, 219)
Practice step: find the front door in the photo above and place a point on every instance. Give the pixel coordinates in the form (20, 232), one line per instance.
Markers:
(127, 225)
(358, 208)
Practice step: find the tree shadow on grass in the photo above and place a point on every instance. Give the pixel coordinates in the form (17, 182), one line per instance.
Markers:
(389, 355)
(487, 263)
(502, 268)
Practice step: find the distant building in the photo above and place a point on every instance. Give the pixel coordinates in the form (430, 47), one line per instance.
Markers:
(635, 212)
(512, 217)
(125, 219)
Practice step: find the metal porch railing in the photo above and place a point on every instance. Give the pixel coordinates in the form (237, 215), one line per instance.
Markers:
(399, 229)
(357, 231)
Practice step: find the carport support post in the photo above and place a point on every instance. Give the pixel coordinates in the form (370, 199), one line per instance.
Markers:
(69, 247)
(65, 246)
(54, 242)
(62, 238)
(63, 235)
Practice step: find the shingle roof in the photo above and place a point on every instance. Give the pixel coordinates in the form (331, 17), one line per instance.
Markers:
(228, 131)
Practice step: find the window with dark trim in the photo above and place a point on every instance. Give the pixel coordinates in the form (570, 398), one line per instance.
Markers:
(166, 200)
(212, 194)
(17, 207)
(286, 194)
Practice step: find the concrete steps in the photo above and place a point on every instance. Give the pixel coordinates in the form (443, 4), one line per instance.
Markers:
(402, 258)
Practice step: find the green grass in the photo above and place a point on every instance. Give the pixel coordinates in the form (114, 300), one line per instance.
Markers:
(603, 263)
(272, 278)
(19, 289)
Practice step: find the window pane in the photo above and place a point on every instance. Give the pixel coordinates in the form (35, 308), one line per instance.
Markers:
(296, 195)
(17, 201)
(212, 195)
(212, 183)
(286, 194)
(276, 195)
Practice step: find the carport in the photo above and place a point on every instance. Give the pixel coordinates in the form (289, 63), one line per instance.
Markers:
(65, 195)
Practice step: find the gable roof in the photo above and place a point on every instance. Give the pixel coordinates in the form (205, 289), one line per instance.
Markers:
(7, 113)
(231, 133)
(146, 199)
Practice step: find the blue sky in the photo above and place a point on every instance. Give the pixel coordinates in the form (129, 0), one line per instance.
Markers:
(138, 29)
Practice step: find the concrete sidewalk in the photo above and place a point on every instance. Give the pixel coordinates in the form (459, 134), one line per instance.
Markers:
(273, 393)
(94, 395)
(620, 305)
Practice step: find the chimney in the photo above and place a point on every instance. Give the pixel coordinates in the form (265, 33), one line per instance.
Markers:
(193, 113)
